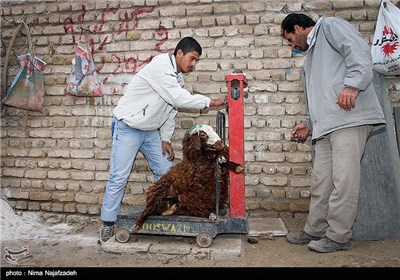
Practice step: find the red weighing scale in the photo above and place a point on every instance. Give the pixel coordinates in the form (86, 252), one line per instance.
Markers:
(206, 229)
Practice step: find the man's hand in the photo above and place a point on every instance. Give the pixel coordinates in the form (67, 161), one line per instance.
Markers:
(300, 132)
(347, 98)
(167, 149)
(223, 100)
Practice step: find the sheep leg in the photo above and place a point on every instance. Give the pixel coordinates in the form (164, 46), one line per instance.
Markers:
(154, 202)
(170, 211)
(232, 166)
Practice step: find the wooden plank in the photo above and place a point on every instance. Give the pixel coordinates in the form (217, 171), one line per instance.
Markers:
(378, 215)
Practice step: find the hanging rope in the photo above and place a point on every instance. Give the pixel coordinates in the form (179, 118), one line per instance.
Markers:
(7, 60)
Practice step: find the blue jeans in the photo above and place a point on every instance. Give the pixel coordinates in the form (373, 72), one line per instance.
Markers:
(126, 142)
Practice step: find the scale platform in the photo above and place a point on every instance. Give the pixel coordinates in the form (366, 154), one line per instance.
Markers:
(204, 229)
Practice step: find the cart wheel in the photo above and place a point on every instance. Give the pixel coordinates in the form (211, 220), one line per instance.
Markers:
(122, 235)
(204, 239)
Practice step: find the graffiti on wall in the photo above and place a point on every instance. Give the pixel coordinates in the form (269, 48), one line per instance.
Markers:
(129, 21)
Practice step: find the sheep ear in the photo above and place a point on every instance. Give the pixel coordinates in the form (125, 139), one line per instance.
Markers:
(196, 141)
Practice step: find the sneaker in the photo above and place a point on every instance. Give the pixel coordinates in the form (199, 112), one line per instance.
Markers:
(301, 237)
(326, 245)
(106, 232)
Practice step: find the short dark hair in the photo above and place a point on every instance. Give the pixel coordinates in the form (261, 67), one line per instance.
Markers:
(295, 19)
(188, 44)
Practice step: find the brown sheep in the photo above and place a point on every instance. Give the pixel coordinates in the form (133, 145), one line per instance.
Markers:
(189, 187)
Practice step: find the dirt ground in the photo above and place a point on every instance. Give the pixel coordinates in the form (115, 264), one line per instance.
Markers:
(27, 241)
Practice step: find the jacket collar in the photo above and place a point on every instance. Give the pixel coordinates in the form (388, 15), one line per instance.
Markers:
(172, 60)
(312, 36)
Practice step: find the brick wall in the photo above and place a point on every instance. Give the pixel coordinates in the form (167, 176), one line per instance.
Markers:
(57, 161)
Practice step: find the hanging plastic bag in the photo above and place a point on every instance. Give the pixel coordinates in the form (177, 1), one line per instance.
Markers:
(386, 44)
(27, 90)
(83, 80)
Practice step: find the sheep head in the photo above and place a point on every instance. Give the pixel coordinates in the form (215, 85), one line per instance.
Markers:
(205, 132)
(202, 140)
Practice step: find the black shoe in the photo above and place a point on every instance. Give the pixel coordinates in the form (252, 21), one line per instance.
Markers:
(326, 245)
(301, 237)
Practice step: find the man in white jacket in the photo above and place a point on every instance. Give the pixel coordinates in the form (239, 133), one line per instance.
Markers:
(144, 120)
(343, 109)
